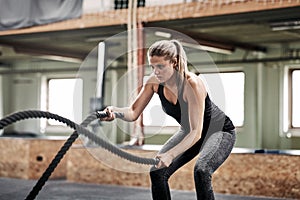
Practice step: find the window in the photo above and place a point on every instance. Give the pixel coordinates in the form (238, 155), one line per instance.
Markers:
(295, 108)
(233, 84)
(65, 99)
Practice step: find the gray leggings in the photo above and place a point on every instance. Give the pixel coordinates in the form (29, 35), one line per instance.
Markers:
(213, 151)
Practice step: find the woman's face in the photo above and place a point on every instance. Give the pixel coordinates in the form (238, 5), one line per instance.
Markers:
(162, 69)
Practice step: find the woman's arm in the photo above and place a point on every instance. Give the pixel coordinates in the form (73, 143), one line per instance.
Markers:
(194, 94)
(132, 112)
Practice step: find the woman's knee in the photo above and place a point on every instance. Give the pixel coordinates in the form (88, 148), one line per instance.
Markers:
(202, 171)
(158, 175)
(202, 176)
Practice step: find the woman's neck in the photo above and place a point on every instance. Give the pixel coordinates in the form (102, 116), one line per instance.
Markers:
(171, 83)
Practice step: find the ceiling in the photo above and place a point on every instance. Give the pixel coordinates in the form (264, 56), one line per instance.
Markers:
(255, 31)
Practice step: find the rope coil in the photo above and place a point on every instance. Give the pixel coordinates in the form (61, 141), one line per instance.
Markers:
(23, 115)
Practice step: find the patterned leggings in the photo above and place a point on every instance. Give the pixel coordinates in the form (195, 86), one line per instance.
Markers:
(212, 153)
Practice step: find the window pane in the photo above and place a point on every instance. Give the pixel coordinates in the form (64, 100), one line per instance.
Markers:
(233, 84)
(62, 96)
(296, 98)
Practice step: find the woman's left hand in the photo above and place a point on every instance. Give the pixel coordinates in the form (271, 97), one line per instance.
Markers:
(165, 160)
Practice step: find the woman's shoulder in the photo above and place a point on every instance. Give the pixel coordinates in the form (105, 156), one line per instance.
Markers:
(195, 83)
(152, 82)
(194, 80)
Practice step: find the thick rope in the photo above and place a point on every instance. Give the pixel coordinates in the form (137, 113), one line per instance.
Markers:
(78, 129)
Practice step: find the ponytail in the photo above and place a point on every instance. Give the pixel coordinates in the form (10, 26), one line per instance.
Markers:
(180, 57)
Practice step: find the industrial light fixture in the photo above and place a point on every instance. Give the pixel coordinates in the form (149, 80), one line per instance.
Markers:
(95, 39)
(163, 34)
(207, 48)
(60, 58)
(285, 25)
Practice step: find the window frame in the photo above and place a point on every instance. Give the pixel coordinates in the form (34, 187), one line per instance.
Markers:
(287, 130)
(290, 107)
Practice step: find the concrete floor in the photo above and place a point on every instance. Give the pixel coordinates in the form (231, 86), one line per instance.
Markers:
(13, 189)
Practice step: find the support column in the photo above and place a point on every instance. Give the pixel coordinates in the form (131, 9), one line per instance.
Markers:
(135, 62)
(139, 137)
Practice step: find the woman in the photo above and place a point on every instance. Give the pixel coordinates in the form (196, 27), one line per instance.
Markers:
(205, 130)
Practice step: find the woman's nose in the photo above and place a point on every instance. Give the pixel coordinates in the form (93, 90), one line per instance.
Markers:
(155, 71)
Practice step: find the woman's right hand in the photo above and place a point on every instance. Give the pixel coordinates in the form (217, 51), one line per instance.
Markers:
(110, 114)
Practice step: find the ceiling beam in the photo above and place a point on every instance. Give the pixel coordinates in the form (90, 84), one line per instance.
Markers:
(38, 49)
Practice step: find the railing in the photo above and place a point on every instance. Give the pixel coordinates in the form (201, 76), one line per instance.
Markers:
(95, 14)
(96, 6)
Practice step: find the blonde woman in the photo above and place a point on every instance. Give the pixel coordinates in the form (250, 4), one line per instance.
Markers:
(205, 131)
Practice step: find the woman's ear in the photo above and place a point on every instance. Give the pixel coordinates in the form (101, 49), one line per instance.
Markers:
(175, 65)
(174, 62)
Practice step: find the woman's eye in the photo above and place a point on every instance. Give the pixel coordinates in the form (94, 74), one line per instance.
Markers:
(157, 67)
(160, 66)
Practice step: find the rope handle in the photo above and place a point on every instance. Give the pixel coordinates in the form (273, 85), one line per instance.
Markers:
(102, 114)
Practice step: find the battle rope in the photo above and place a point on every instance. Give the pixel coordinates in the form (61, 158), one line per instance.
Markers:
(78, 129)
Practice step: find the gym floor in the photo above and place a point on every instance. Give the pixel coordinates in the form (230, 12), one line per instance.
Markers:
(13, 189)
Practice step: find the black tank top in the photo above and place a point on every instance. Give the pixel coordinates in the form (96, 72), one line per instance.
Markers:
(214, 118)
